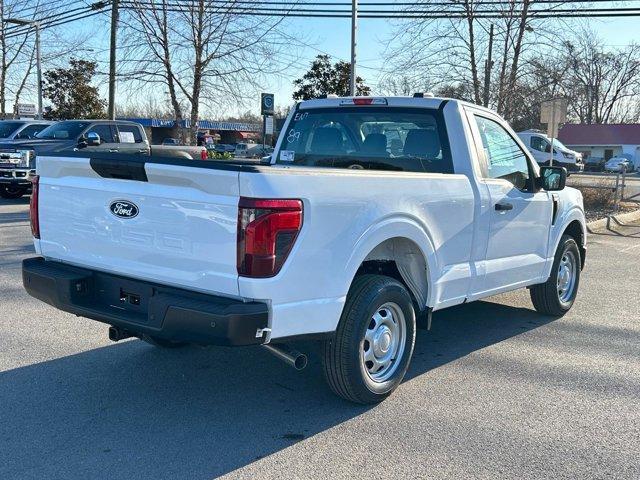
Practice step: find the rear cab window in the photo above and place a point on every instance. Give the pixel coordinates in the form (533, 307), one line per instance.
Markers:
(368, 137)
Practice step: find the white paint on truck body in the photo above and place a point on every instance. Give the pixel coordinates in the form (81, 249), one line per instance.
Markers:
(186, 232)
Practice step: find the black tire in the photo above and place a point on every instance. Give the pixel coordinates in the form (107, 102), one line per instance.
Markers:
(344, 365)
(161, 342)
(546, 297)
(11, 192)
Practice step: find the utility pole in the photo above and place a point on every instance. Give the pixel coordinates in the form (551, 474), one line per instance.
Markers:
(39, 69)
(354, 32)
(112, 60)
(488, 64)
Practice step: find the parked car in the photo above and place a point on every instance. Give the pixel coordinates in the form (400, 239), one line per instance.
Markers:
(21, 129)
(618, 164)
(248, 150)
(88, 136)
(172, 141)
(594, 164)
(539, 145)
(224, 148)
(337, 240)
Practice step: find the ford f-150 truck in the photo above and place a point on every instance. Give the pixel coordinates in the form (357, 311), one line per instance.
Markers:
(372, 211)
(18, 156)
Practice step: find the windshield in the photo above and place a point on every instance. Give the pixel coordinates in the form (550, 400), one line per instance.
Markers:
(7, 128)
(63, 130)
(373, 138)
(558, 144)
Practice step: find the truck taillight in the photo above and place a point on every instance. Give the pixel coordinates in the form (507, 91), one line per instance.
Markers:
(267, 230)
(33, 207)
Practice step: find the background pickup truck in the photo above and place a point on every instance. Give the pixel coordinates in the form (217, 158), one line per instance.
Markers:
(18, 157)
(373, 211)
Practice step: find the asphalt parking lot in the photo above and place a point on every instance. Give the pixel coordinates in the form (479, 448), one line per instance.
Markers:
(495, 391)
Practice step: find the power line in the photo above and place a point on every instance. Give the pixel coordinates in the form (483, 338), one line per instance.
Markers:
(12, 28)
(388, 14)
(57, 22)
(35, 9)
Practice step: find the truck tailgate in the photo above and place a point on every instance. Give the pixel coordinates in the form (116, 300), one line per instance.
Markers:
(177, 227)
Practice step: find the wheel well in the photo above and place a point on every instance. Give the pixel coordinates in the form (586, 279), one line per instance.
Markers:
(403, 260)
(574, 230)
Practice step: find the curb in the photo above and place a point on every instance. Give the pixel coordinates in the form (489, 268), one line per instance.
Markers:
(599, 225)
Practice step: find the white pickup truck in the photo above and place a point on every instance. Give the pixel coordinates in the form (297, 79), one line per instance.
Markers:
(372, 211)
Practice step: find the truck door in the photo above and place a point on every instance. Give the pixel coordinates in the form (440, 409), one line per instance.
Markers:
(519, 217)
(107, 138)
(131, 140)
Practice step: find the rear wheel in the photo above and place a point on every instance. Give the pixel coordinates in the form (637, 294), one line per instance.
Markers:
(12, 191)
(556, 296)
(370, 353)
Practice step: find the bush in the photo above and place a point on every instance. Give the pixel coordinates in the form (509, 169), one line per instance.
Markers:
(219, 155)
(598, 198)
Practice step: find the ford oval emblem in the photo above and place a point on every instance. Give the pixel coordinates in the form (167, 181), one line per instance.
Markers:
(123, 209)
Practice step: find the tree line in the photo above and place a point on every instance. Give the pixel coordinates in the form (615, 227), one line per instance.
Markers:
(196, 57)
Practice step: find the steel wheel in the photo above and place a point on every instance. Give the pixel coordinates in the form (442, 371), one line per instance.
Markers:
(567, 270)
(384, 342)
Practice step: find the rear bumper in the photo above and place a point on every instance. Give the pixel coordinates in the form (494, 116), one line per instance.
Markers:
(143, 307)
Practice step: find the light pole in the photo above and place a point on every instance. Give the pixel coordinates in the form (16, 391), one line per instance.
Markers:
(354, 36)
(36, 24)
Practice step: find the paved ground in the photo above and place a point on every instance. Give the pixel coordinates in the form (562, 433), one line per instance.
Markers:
(494, 391)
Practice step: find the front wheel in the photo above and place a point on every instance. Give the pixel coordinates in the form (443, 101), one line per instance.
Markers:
(12, 192)
(556, 296)
(370, 353)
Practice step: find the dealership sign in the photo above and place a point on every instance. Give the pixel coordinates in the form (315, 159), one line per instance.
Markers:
(26, 110)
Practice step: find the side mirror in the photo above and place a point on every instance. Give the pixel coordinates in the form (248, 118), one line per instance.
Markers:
(93, 139)
(552, 178)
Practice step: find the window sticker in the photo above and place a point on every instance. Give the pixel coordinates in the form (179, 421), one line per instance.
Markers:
(293, 136)
(127, 137)
(287, 155)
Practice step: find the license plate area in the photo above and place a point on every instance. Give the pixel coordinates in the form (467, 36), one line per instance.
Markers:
(124, 296)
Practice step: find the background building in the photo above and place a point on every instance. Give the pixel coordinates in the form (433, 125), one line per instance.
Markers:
(603, 140)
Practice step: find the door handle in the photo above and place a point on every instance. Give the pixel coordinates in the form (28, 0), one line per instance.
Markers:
(503, 207)
(113, 150)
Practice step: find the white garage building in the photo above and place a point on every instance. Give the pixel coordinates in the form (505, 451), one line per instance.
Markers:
(605, 141)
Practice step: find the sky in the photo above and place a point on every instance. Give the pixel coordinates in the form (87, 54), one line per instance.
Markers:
(330, 36)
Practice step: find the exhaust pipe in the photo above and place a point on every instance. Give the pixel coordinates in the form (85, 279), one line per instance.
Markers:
(288, 355)
(116, 334)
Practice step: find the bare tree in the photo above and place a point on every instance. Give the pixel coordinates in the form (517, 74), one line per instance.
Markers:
(15, 51)
(204, 54)
(451, 52)
(604, 86)
(17, 47)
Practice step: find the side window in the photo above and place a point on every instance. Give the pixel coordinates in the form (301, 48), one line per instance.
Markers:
(105, 132)
(30, 131)
(129, 133)
(539, 143)
(505, 159)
